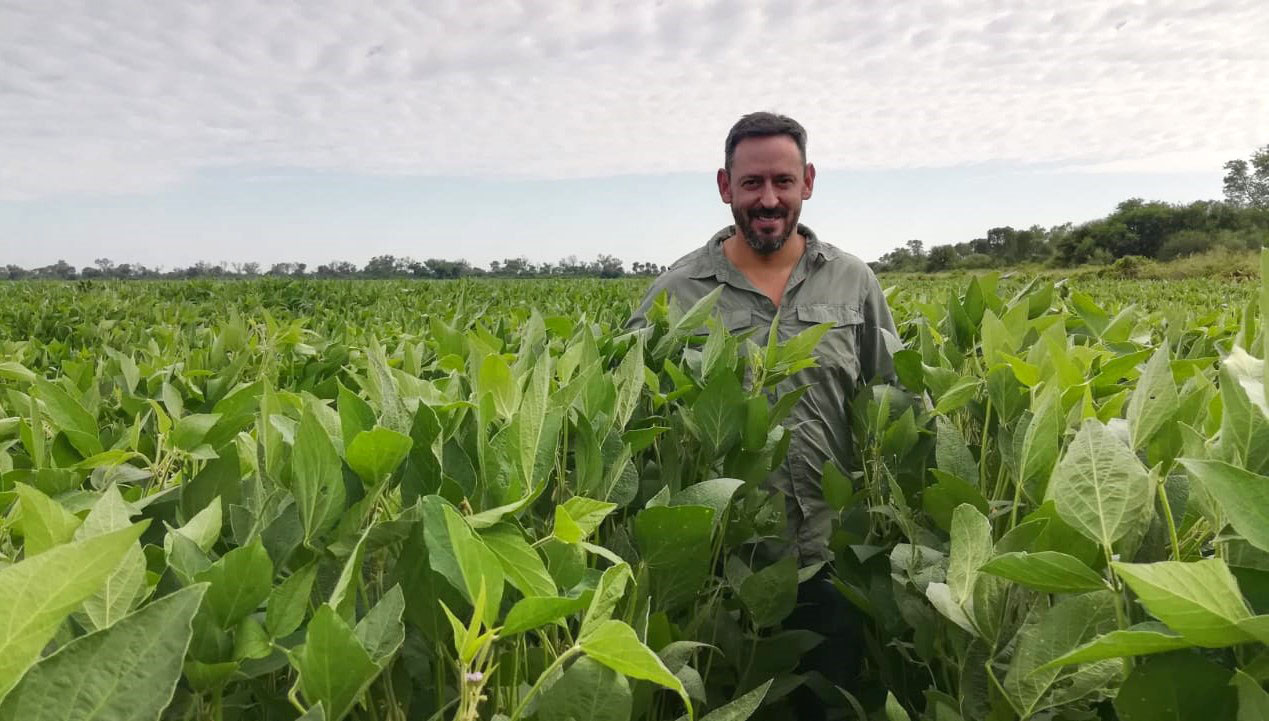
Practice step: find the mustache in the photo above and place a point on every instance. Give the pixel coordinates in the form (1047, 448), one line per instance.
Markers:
(768, 214)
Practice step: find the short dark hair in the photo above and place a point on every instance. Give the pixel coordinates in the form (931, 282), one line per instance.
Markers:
(763, 125)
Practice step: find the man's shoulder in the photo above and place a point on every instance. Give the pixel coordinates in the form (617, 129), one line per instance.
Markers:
(843, 262)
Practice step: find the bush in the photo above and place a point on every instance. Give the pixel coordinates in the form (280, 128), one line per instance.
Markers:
(1186, 242)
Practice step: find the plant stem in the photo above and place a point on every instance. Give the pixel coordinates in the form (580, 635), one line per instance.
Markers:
(559, 661)
(1167, 514)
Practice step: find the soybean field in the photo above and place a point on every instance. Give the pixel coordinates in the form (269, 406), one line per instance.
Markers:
(488, 499)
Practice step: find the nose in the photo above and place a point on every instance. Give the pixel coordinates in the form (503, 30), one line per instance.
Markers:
(768, 198)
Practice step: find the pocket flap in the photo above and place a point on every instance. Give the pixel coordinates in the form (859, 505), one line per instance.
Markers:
(838, 315)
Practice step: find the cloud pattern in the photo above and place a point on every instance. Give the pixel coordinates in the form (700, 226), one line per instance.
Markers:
(120, 96)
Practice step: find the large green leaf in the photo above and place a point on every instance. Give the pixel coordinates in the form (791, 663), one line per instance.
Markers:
(520, 561)
(1142, 639)
(288, 602)
(129, 670)
(45, 522)
(1099, 487)
(675, 542)
(1253, 702)
(1180, 686)
(1154, 401)
(719, 413)
(608, 593)
(1050, 571)
(951, 453)
(1242, 495)
(70, 417)
(1040, 441)
(458, 554)
(381, 632)
(741, 708)
(771, 593)
(334, 668)
(587, 690)
(240, 582)
(615, 645)
(37, 594)
(1199, 600)
(318, 485)
(535, 611)
(376, 453)
(126, 584)
(1069, 624)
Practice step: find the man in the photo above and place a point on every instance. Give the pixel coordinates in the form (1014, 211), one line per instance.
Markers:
(769, 263)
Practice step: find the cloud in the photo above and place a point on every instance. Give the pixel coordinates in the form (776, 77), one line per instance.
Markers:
(115, 96)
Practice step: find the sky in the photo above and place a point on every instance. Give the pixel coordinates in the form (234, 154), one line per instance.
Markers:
(235, 130)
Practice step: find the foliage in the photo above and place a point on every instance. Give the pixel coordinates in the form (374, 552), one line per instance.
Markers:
(283, 499)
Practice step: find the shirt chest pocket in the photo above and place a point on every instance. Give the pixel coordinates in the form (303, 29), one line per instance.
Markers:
(838, 349)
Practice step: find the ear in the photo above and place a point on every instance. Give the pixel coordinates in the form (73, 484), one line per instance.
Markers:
(809, 184)
(724, 185)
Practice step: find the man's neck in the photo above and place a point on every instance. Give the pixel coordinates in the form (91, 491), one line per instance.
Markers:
(768, 273)
(749, 261)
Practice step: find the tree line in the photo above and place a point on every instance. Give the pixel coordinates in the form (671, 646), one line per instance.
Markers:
(1149, 229)
(378, 267)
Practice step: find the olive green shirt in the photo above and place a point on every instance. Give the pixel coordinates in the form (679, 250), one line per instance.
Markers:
(828, 285)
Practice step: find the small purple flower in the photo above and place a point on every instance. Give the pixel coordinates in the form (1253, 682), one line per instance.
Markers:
(475, 677)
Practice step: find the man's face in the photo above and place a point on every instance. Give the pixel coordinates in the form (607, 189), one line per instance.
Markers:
(765, 190)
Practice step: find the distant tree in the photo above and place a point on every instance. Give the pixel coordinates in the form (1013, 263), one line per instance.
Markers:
(941, 257)
(610, 266)
(916, 248)
(1247, 183)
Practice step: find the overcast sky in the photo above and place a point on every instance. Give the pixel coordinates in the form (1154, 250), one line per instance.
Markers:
(176, 131)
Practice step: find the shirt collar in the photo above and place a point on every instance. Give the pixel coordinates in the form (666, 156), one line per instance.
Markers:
(716, 265)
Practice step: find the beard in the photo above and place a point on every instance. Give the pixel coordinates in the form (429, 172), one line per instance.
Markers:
(764, 243)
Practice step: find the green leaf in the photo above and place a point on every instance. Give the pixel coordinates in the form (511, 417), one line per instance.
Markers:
(1242, 495)
(894, 710)
(318, 487)
(587, 514)
(1099, 487)
(475, 563)
(715, 493)
(333, 666)
(188, 432)
(587, 690)
(288, 602)
(1154, 401)
(1040, 441)
(1253, 702)
(240, 582)
(37, 594)
(741, 708)
(941, 499)
(565, 528)
(355, 414)
(1049, 571)
(1177, 687)
(203, 529)
(971, 548)
(958, 396)
(608, 593)
(520, 561)
(719, 413)
(838, 490)
(951, 453)
(530, 613)
(129, 670)
(376, 453)
(126, 583)
(381, 632)
(15, 371)
(615, 645)
(1140, 640)
(1067, 625)
(70, 417)
(1199, 600)
(771, 593)
(675, 543)
(45, 522)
